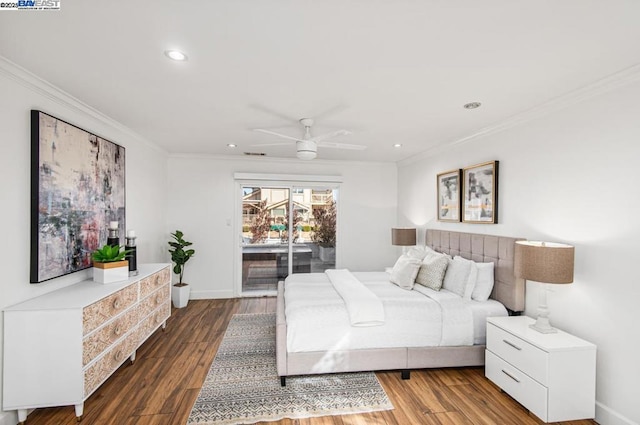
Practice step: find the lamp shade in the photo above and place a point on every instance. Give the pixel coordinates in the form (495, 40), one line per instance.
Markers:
(403, 236)
(545, 262)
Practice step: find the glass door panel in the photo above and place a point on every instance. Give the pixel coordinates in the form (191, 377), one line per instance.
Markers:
(314, 229)
(265, 247)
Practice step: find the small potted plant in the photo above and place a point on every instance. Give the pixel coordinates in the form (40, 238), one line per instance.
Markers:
(180, 256)
(109, 264)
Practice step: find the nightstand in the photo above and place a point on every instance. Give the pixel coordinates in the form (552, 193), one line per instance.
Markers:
(552, 375)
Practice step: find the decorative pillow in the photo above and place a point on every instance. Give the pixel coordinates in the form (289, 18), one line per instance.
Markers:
(457, 276)
(405, 271)
(432, 271)
(484, 282)
(418, 252)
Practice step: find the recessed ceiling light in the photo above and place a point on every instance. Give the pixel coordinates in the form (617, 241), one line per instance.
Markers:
(397, 145)
(472, 105)
(176, 55)
(232, 145)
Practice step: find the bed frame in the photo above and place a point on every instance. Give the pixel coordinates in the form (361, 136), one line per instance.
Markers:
(507, 289)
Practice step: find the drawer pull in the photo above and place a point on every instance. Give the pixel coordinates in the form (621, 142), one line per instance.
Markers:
(510, 376)
(158, 299)
(117, 330)
(119, 355)
(511, 344)
(117, 303)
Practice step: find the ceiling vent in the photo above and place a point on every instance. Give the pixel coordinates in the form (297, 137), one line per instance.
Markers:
(255, 153)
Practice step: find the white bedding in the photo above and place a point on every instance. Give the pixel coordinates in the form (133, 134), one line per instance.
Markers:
(318, 321)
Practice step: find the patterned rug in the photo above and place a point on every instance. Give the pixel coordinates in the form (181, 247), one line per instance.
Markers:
(242, 386)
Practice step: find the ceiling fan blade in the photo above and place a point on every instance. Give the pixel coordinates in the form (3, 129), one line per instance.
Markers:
(330, 135)
(341, 146)
(272, 144)
(273, 133)
(290, 119)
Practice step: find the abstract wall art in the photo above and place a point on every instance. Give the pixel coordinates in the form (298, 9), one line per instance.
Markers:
(77, 188)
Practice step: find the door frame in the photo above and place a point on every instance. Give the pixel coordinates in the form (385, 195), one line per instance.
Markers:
(284, 181)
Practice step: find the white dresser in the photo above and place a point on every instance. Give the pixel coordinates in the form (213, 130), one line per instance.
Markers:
(60, 347)
(552, 375)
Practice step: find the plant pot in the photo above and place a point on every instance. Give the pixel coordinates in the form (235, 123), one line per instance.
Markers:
(328, 254)
(180, 295)
(115, 271)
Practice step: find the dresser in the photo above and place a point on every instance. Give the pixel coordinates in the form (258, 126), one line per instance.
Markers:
(61, 346)
(552, 375)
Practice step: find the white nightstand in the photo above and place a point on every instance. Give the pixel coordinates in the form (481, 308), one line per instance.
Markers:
(552, 375)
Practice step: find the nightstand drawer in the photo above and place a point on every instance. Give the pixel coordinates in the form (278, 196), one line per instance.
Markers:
(517, 384)
(521, 354)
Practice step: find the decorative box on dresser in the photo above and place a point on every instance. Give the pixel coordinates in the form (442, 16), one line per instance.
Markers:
(552, 375)
(61, 346)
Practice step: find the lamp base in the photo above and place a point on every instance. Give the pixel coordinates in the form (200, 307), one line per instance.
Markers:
(542, 325)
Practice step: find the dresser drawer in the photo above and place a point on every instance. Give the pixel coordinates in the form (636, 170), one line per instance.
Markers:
(155, 300)
(107, 364)
(153, 282)
(521, 354)
(517, 384)
(153, 321)
(94, 315)
(102, 338)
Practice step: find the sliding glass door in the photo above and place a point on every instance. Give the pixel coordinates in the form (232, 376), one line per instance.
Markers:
(285, 229)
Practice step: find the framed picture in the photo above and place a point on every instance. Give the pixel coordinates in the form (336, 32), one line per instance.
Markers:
(77, 188)
(449, 196)
(480, 193)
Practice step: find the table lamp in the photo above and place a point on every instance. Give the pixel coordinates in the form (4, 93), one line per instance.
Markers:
(403, 237)
(544, 262)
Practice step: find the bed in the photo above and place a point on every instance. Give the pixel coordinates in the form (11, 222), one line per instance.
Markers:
(328, 353)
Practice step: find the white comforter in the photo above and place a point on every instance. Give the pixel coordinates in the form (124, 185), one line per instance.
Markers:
(317, 319)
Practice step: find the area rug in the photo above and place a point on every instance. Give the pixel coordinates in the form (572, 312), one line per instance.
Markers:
(242, 386)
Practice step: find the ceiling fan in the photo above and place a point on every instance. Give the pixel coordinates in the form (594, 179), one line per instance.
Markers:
(307, 146)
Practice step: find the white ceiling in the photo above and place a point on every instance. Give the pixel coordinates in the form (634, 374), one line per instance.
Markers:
(390, 71)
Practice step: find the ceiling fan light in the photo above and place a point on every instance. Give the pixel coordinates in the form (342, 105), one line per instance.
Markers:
(306, 155)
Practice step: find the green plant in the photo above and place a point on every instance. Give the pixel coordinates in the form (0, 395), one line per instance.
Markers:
(108, 254)
(180, 255)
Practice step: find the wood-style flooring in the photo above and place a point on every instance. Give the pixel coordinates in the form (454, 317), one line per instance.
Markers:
(164, 382)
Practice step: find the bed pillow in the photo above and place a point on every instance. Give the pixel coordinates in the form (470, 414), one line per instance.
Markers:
(432, 271)
(420, 252)
(456, 278)
(484, 282)
(404, 272)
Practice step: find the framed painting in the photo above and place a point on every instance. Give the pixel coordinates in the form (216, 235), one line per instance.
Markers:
(77, 188)
(480, 193)
(448, 184)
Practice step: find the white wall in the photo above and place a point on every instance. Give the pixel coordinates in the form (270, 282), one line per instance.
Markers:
(202, 203)
(570, 176)
(146, 174)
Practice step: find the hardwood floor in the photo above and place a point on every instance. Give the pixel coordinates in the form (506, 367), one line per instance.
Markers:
(164, 382)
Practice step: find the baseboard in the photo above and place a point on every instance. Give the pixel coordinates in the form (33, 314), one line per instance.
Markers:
(608, 416)
(8, 418)
(209, 295)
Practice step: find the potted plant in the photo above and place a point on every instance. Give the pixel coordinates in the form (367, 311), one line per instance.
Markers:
(325, 231)
(109, 264)
(180, 256)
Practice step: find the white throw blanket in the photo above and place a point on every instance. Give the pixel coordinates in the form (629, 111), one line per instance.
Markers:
(364, 307)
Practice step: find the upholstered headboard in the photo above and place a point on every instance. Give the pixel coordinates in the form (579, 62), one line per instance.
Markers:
(498, 250)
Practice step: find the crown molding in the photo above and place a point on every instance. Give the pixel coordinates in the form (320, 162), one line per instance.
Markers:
(599, 87)
(47, 90)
